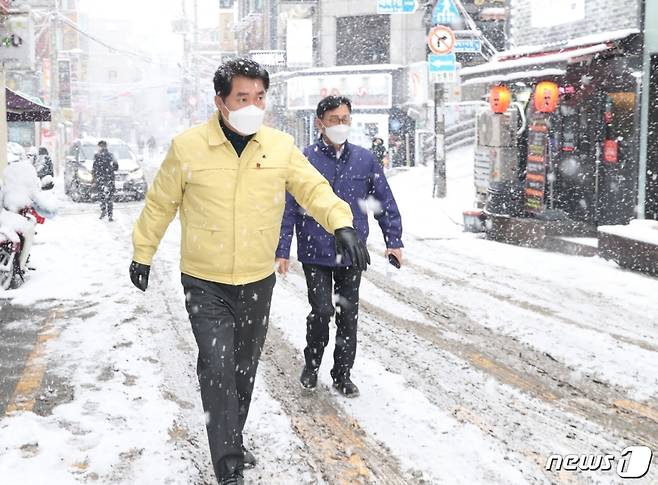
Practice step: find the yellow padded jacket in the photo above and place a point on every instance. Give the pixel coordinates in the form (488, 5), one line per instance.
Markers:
(231, 207)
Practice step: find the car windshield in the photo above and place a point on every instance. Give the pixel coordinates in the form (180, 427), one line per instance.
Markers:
(120, 151)
(87, 152)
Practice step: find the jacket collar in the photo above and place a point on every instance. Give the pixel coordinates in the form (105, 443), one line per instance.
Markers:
(330, 151)
(216, 135)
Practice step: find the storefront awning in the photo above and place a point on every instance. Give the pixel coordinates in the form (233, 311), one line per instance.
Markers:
(531, 64)
(21, 107)
(513, 76)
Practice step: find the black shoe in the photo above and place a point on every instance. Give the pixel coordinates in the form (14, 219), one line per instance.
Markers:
(309, 378)
(111, 219)
(235, 478)
(248, 458)
(346, 387)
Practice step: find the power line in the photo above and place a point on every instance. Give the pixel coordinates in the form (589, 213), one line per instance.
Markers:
(76, 27)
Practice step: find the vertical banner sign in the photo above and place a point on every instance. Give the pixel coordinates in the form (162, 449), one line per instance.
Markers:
(299, 42)
(64, 78)
(45, 77)
(535, 183)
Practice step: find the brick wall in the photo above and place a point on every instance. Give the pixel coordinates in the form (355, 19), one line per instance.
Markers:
(600, 16)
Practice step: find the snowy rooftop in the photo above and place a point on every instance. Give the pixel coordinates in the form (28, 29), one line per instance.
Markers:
(533, 73)
(578, 41)
(499, 65)
(339, 70)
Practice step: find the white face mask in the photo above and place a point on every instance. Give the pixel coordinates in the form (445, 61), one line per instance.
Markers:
(337, 134)
(247, 120)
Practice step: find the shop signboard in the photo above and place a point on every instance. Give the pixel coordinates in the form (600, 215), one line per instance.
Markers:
(17, 42)
(366, 90)
(271, 58)
(535, 186)
(64, 82)
(417, 83)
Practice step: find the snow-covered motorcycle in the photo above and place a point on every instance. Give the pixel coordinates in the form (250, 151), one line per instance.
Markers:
(16, 236)
(22, 206)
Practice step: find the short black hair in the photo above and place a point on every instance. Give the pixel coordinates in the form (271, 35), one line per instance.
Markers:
(238, 67)
(332, 102)
(102, 143)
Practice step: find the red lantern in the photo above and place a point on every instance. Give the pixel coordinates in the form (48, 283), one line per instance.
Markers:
(499, 99)
(547, 96)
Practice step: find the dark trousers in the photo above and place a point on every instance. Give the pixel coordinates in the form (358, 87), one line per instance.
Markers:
(106, 197)
(229, 324)
(323, 282)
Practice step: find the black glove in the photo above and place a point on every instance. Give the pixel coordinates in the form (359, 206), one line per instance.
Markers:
(348, 243)
(139, 275)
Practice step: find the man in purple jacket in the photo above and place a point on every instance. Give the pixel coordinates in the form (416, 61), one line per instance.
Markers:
(357, 178)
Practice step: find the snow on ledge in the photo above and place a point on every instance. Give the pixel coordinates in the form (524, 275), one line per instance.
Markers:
(498, 65)
(577, 42)
(643, 230)
(514, 76)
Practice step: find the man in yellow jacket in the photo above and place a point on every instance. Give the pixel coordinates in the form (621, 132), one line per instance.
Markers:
(228, 179)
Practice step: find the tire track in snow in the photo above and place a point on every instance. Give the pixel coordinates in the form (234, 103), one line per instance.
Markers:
(606, 403)
(446, 270)
(557, 416)
(341, 449)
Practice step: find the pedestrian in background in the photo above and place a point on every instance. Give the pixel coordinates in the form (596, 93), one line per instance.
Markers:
(152, 144)
(228, 178)
(379, 151)
(105, 165)
(356, 176)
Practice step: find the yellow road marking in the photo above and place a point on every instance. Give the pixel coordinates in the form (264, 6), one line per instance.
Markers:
(28, 386)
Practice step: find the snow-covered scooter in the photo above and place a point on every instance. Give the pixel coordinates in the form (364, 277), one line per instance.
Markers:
(16, 236)
(22, 207)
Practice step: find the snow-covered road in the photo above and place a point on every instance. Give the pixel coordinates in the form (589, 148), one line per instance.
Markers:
(476, 362)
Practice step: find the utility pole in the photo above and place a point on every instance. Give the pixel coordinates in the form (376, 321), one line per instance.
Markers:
(3, 105)
(196, 62)
(185, 88)
(54, 84)
(3, 121)
(440, 184)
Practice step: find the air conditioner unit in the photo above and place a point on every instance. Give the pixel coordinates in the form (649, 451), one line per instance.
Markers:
(497, 130)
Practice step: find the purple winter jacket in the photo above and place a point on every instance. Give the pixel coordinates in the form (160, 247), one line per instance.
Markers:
(355, 177)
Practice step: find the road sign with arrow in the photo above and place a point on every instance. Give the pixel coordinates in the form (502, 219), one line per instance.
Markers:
(441, 40)
(441, 63)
